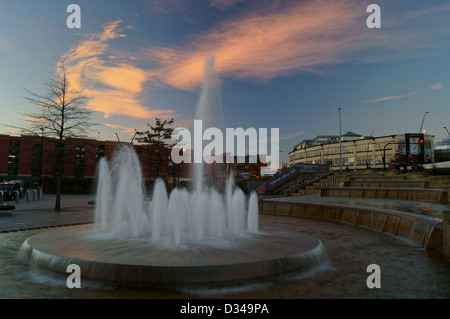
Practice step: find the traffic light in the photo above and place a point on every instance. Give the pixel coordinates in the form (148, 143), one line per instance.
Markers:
(411, 158)
(421, 158)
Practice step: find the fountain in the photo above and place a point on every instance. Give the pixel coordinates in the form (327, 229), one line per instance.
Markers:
(185, 238)
(172, 220)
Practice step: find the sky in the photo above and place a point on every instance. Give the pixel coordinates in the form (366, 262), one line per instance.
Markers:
(286, 64)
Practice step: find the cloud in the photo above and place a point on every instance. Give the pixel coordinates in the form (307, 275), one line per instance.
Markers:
(113, 84)
(436, 86)
(386, 98)
(224, 4)
(121, 127)
(265, 45)
(295, 37)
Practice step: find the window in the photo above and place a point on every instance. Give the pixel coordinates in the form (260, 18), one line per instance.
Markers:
(36, 160)
(348, 149)
(13, 158)
(366, 147)
(348, 161)
(379, 160)
(99, 153)
(313, 153)
(364, 160)
(331, 151)
(79, 161)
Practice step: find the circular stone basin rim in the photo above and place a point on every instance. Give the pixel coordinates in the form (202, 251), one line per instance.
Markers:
(272, 252)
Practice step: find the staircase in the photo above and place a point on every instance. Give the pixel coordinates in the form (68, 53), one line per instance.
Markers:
(406, 187)
(293, 177)
(314, 186)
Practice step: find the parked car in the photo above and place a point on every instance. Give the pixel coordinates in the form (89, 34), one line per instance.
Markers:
(19, 185)
(8, 190)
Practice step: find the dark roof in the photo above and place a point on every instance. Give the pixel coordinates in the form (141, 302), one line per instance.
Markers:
(349, 133)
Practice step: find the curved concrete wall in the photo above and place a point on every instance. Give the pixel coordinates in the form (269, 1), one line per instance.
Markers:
(437, 195)
(388, 183)
(426, 232)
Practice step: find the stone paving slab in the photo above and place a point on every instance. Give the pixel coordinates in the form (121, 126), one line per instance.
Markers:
(37, 214)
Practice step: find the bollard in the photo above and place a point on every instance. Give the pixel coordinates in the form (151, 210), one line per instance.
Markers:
(1, 197)
(28, 195)
(16, 196)
(40, 193)
(34, 195)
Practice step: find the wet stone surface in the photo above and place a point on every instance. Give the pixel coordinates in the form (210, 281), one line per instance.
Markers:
(426, 208)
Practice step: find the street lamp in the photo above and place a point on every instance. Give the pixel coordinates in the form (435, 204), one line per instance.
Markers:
(178, 167)
(420, 131)
(133, 137)
(447, 131)
(42, 156)
(117, 137)
(340, 141)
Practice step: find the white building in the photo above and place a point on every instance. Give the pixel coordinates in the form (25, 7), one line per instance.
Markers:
(361, 152)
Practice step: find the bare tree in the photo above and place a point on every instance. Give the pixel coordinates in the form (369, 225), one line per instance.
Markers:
(61, 115)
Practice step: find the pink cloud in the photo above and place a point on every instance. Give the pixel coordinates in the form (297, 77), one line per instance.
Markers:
(386, 98)
(266, 45)
(121, 127)
(290, 38)
(113, 88)
(437, 86)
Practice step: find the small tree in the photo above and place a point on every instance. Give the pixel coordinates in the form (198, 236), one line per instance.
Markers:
(399, 159)
(61, 115)
(156, 148)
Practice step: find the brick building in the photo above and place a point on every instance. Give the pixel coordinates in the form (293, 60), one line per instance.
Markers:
(32, 159)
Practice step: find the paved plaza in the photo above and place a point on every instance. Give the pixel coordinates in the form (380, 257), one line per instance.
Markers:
(40, 213)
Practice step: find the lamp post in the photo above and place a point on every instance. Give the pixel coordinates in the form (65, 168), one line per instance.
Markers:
(117, 137)
(177, 166)
(447, 131)
(42, 157)
(133, 137)
(340, 141)
(367, 152)
(384, 154)
(423, 119)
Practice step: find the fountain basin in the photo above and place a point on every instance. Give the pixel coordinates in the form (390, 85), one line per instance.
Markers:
(138, 263)
(423, 230)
